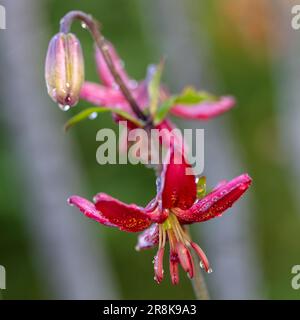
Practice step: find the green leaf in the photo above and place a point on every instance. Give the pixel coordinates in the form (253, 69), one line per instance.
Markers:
(163, 110)
(86, 113)
(154, 88)
(190, 96)
(201, 187)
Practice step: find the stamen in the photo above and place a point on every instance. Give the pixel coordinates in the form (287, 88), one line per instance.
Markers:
(203, 258)
(185, 259)
(174, 273)
(159, 265)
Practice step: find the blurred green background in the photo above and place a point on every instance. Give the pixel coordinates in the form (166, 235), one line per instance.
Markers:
(244, 46)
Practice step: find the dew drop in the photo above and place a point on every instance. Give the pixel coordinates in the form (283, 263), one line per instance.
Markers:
(121, 64)
(115, 86)
(53, 93)
(201, 265)
(64, 107)
(133, 84)
(93, 115)
(83, 25)
(210, 270)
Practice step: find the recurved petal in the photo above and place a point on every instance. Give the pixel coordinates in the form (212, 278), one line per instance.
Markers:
(204, 110)
(216, 202)
(128, 217)
(102, 96)
(88, 209)
(104, 72)
(178, 189)
(149, 238)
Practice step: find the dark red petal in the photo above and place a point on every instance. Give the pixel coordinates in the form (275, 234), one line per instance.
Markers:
(104, 73)
(88, 209)
(216, 202)
(179, 190)
(174, 272)
(155, 212)
(159, 265)
(102, 96)
(128, 217)
(204, 110)
(185, 258)
(149, 238)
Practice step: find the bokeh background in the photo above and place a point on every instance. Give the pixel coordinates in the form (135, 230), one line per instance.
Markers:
(246, 48)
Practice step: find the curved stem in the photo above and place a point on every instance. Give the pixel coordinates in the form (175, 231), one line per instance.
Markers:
(94, 28)
(198, 283)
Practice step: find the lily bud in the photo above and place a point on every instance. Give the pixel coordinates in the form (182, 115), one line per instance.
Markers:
(64, 70)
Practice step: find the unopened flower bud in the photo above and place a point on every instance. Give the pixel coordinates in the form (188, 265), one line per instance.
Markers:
(64, 70)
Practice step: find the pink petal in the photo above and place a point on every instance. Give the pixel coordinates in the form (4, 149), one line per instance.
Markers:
(216, 202)
(149, 238)
(128, 217)
(88, 209)
(169, 135)
(104, 72)
(204, 110)
(102, 96)
(179, 190)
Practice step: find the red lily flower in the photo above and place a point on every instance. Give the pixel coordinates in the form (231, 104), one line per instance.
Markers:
(175, 206)
(108, 94)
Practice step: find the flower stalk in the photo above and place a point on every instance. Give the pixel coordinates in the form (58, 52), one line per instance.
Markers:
(181, 199)
(94, 27)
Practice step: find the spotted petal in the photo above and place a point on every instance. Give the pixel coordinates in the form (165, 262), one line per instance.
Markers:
(178, 190)
(88, 209)
(204, 110)
(128, 217)
(216, 202)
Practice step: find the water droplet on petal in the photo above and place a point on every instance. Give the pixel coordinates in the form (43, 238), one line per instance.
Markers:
(210, 270)
(133, 84)
(115, 86)
(64, 107)
(201, 265)
(93, 116)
